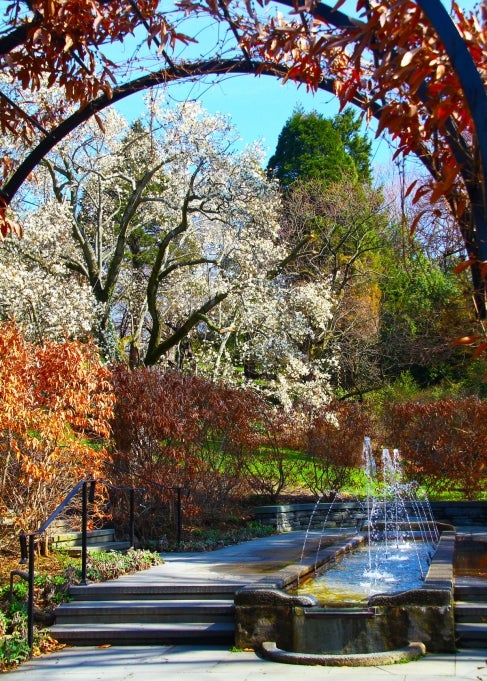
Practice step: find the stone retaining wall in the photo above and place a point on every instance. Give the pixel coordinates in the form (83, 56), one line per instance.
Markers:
(287, 517)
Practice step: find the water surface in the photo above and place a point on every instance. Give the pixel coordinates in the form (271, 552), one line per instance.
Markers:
(370, 570)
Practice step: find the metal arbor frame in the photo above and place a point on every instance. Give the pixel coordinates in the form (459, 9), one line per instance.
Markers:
(473, 226)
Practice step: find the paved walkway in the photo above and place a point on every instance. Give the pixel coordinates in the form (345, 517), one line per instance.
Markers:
(241, 564)
(189, 663)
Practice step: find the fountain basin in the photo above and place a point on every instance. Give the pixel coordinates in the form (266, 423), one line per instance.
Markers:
(411, 652)
(267, 613)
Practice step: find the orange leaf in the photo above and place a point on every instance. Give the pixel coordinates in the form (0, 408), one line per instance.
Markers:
(410, 188)
(479, 350)
(466, 340)
(462, 266)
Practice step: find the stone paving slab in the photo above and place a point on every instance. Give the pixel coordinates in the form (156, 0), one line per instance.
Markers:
(190, 663)
(239, 564)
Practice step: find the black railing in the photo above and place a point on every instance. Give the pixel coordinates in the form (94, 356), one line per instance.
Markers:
(179, 490)
(28, 541)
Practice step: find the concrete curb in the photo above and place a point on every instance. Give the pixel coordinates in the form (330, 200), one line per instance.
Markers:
(411, 652)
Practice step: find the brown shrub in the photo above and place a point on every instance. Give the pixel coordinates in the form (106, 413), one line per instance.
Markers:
(173, 430)
(334, 443)
(443, 444)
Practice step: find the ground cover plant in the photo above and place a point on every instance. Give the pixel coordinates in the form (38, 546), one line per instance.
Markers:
(51, 587)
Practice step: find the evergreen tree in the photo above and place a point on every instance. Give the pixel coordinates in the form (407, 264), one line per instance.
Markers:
(358, 146)
(311, 147)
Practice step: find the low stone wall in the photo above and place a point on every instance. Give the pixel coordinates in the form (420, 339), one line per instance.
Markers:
(287, 517)
(460, 513)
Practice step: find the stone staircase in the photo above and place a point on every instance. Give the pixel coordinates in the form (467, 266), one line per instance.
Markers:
(131, 614)
(471, 614)
(97, 541)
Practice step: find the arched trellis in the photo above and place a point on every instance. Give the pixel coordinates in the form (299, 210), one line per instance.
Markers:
(212, 67)
(472, 223)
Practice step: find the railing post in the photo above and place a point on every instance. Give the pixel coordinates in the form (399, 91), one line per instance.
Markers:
(132, 517)
(91, 496)
(180, 516)
(84, 531)
(30, 597)
(24, 556)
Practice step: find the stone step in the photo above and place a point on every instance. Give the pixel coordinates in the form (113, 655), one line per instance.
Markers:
(73, 538)
(470, 593)
(105, 547)
(471, 635)
(113, 591)
(470, 612)
(125, 613)
(86, 613)
(144, 633)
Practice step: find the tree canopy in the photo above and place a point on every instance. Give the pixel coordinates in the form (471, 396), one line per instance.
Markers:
(418, 71)
(311, 147)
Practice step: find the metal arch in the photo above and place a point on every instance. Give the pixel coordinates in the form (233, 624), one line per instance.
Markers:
(168, 75)
(475, 95)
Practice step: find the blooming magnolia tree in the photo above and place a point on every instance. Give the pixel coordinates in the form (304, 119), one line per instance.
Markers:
(177, 237)
(279, 333)
(53, 304)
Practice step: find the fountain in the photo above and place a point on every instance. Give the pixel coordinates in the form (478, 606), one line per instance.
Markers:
(320, 622)
(401, 537)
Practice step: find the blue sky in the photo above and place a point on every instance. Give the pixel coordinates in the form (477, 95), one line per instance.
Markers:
(260, 106)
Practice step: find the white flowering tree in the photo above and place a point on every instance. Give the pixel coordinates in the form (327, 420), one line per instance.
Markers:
(279, 334)
(37, 291)
(174, 238)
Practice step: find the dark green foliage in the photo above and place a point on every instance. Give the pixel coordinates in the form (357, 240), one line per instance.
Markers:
(312, 147)
(358, 146)
(422, 312)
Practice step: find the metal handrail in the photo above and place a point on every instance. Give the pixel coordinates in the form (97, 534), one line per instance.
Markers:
(178, 489)
(27, 541)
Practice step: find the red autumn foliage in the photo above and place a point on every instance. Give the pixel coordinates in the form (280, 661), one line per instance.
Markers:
(56, 405)
(173, 430)
(334, 442)
(272, 468)
(443, 444)
(63, 43)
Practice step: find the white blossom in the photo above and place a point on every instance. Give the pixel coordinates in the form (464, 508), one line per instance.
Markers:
(190, 217)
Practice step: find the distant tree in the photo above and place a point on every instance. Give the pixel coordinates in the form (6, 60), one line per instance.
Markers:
(423, 309)
(311, 147)
(341, 232)
(357, 145)
(164, 241)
